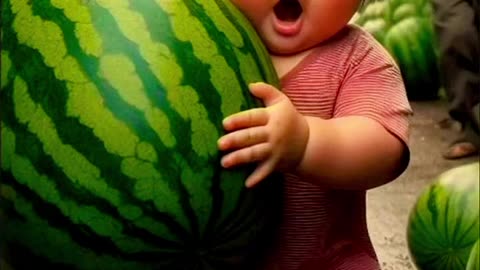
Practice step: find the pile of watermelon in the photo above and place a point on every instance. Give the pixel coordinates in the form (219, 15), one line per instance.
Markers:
(444, 223)
(405, 29)
(110, 113)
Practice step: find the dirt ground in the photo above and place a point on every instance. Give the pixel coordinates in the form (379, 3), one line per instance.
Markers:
(389, 205)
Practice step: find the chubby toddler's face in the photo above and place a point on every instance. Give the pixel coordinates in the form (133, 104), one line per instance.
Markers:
(292, 26)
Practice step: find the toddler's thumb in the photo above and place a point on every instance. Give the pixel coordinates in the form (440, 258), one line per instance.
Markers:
(266, 92)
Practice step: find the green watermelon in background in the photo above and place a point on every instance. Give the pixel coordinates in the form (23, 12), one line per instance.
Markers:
(405, 29)
(443, 228)
(110, 112)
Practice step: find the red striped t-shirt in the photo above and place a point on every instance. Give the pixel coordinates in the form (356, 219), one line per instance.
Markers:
(350, 74)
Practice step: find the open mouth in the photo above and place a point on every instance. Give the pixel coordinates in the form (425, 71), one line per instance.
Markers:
(288, 10)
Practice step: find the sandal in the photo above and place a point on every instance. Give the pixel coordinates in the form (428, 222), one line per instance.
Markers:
(460, 150)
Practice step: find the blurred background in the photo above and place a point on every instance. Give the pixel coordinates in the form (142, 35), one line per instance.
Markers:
(418, 34)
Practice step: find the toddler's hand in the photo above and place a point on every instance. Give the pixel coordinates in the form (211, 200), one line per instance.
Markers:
(275, 136)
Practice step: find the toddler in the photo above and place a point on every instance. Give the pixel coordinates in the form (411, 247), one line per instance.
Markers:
(338, 127)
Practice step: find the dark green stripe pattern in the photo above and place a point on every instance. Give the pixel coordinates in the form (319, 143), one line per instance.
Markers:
(110, 111)
(444, 223)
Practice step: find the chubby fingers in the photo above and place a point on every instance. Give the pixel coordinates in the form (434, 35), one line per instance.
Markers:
(243, 138)
(261, 172)
(246, 155)
(246, 119)
(267, 93)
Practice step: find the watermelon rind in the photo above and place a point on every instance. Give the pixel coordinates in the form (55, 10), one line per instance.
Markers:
(110, 114)
(444, 224)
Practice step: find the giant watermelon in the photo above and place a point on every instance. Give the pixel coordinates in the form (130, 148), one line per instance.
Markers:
(444, 222)
(405, 29)
(110, 112)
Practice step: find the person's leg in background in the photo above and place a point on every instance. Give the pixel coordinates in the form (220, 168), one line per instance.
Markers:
(456, 25)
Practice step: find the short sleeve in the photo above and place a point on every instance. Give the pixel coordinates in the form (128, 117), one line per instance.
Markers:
(373, 87)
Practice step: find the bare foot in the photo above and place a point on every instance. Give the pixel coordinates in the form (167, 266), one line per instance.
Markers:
(460, 150)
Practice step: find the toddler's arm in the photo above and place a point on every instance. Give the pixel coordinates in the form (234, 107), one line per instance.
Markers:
(352, 152)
